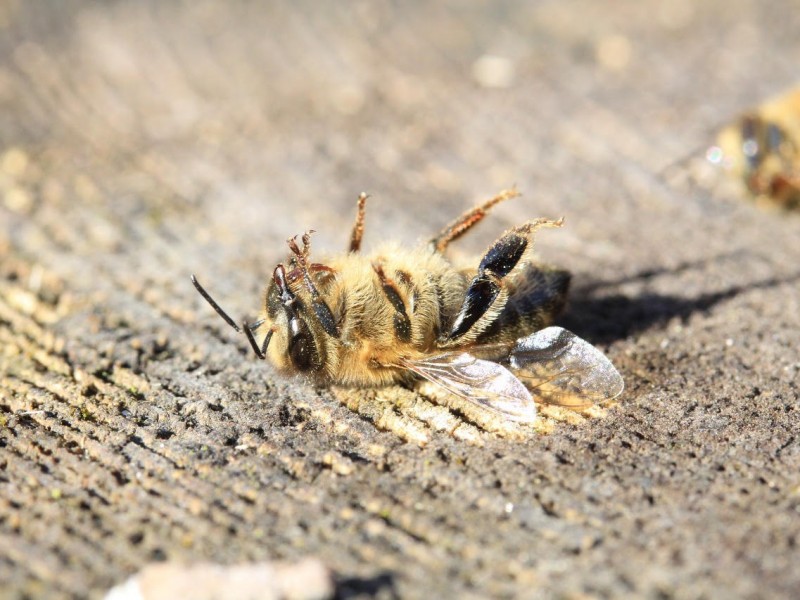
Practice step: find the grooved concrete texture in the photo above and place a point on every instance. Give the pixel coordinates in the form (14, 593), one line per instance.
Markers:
(144, 141)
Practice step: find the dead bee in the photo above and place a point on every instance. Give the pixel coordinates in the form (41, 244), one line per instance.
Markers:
(400, 314)
(761, 147)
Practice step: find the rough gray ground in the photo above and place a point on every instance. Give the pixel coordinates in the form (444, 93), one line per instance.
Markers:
(144, 141)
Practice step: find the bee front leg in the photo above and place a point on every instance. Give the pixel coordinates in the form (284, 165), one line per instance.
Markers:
(321, 308)
(487, 295)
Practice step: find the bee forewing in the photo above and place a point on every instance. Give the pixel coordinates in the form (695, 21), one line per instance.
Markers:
(482, 382)
(561, 368)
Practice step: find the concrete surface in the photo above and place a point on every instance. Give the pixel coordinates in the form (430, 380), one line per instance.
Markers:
(144, 141)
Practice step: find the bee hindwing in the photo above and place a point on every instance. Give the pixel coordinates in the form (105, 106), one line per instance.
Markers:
(482, 382)
(555, 364)
(561, 368)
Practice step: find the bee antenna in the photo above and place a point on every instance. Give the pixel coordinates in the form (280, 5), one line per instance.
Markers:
(214, 305)
(248, 331)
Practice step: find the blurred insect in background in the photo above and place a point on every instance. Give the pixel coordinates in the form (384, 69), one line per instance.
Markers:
(482, 333)
(762, 147)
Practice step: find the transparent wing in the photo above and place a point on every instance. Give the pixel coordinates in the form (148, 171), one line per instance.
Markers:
(561, 368)
(482, 382)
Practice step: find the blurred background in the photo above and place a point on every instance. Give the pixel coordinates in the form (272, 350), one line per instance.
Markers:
(264, 119)
(141, 141)
(243, 108)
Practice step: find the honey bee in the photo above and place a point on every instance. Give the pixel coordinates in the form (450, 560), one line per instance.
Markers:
(762, 148)
(400, 314)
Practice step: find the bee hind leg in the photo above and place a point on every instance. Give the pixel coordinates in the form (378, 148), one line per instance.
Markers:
(468, 220)
(487, 294)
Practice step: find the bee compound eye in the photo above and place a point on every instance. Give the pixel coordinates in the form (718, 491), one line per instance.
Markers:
(273, 300)
(302, 352)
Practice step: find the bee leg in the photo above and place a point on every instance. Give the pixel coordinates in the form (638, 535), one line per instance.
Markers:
(358, 226)
(321, 308)
(466, 221)
(487, 295)
(785, 189)
(402, 324)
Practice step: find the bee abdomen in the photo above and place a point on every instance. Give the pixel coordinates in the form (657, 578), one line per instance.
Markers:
(536, 296)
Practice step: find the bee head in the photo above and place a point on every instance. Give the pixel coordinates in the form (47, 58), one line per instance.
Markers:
(299, 320)
(300, 326)
(299, 323)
